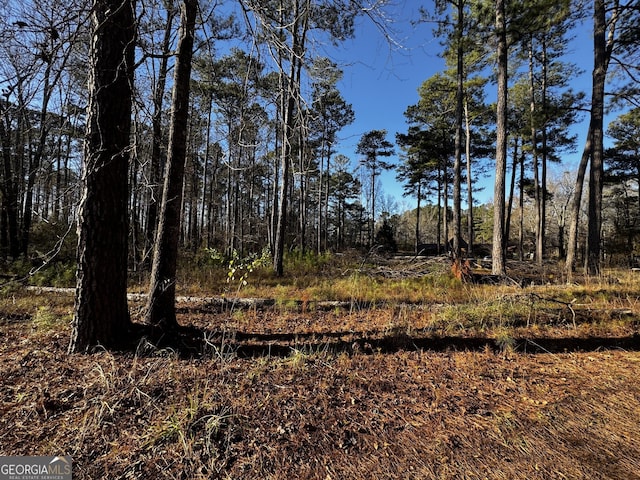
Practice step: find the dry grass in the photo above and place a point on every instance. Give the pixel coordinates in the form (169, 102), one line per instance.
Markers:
(481, 382)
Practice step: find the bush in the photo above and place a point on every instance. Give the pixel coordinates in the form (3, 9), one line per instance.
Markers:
(56, 274)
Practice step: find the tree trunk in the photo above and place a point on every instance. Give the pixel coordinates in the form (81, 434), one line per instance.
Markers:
(9, 196)
(457, 163)
(273, 218)
(521, 216)
(229, 222)
(419, 195)
(325, 231)
(320, 217)
(156, 145)
(561, 250)
(512, 184)
(445, 200)
(281, 218)
(596, 172)
(576, 201)
(439, 220)
(498, 251)
(162, 289)
(101, 315)
(470, 229)
(303, 201)
(372, 221)
(205, 177)
(533, 125)
(299, 31)
(542, 226)
(134, 203)
(35, 159)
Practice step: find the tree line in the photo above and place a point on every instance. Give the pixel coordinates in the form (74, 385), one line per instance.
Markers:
(525, 45)
(214, 125)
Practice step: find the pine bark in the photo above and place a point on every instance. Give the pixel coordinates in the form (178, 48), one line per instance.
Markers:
(457, 166)
(101, 315)
(162, 289)
(596, 172)
(498, 251)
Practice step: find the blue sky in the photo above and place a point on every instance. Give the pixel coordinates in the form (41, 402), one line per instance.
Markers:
(381, 82)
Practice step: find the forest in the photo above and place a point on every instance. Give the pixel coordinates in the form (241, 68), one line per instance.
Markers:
(222, 292)
(261, 167)
(261, 150)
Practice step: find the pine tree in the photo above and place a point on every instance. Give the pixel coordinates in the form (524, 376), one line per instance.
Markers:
(101, 315)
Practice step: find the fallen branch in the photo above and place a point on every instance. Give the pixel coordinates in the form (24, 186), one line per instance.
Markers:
(569, 305)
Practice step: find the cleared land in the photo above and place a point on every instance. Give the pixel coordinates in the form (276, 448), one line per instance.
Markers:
(472, 381)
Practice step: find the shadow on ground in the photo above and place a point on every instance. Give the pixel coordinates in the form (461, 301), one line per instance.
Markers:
(192, 342)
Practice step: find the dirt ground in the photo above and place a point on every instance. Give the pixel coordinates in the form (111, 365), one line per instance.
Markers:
(290, 391)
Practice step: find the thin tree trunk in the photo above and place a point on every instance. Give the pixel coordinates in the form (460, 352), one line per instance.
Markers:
(470, 229)
(457, 163)
(514, 164)
(419, 195)
(445, 199)
(58, 177)
(205, 176)
(302, 214)
(212, 210)
(319, 218)
(35, 159)
(134, 217)
(542, 232)
(9, 193)
(637, 153)
(521, 216)
(281, 218)
(534, 152)
(561, 249)
(162, 290)
(273, 223)
(299, 31)
(498, 251)
(372, 222)
(572, 242)
(439, 220)
(156, 145)
(229, 222)
(325, 235)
